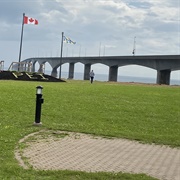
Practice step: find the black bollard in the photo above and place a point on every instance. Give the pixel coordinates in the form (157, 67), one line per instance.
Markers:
(39, 101)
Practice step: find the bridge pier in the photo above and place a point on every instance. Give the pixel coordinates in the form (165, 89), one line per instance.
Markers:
(113, 73)
(87, 69)
(33, 67)
(54, 72)
(41, 68)
(163, 76)
(71, 71)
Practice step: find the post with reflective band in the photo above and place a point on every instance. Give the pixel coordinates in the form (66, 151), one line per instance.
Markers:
(39, 101)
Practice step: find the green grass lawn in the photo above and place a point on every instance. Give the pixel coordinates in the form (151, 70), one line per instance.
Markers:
(150, 114)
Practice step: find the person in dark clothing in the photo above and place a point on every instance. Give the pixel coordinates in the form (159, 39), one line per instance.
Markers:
(91, 74)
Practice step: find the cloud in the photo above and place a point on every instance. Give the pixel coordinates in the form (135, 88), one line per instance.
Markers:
(113, 23)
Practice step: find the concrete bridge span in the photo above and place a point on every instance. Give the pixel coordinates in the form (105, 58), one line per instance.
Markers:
(164, 64)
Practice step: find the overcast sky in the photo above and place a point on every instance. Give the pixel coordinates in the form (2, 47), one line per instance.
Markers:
(99, 27)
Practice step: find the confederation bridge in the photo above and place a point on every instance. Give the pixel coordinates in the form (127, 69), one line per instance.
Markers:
(164, 64)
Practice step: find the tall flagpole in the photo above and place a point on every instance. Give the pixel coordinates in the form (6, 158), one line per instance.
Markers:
(134, 46)
(61, 54)
(21, 38)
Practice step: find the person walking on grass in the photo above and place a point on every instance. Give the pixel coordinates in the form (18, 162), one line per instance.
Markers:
(91, 74)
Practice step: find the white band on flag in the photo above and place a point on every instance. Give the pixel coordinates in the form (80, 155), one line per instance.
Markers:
(68, 40)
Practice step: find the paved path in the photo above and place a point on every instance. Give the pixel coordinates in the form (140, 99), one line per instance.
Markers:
(76, 151)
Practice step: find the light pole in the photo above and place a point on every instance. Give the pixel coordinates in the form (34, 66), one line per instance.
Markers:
(61, 54)
(39, 101)
(100, 49)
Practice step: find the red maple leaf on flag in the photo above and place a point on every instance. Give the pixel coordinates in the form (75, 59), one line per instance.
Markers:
(31, 20)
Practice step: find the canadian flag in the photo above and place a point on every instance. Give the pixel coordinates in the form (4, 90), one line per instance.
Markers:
(29, 20)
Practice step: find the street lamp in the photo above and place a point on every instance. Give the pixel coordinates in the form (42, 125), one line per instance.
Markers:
(39, 90)
(39, 101)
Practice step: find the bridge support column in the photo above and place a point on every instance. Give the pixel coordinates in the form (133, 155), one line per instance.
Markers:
(71, 71)
(113, 73)
(87, 69)
(33, 67)
(54, 72)
(41, 68)
(163, 76)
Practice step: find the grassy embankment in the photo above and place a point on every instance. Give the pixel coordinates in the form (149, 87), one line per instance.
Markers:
(149, 114)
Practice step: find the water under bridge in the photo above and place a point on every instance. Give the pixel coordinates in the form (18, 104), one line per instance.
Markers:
(164, 64)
